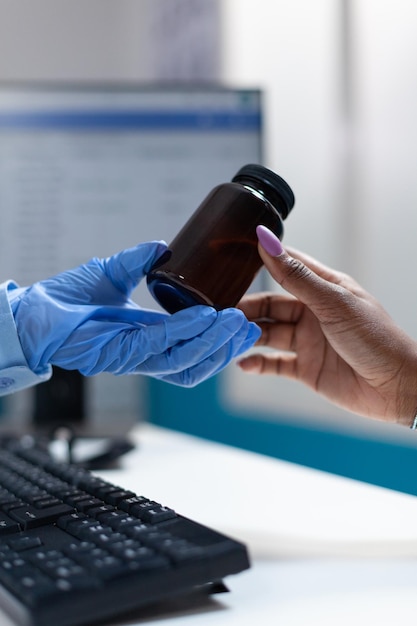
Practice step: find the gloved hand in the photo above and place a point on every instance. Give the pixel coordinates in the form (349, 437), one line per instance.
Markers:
(84, 319)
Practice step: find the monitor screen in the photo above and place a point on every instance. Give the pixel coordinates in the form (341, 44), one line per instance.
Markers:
(87, 170)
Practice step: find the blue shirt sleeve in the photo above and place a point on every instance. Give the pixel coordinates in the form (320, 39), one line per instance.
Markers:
(15, 373)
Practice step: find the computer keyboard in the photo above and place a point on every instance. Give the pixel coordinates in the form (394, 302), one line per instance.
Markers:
(76, 549)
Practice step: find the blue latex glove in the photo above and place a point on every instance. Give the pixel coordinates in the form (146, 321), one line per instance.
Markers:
(84, 319)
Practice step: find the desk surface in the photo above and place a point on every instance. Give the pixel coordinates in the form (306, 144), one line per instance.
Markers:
(324, 549)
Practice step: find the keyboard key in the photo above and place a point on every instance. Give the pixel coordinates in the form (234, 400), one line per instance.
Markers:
(24, 543)
(157, 514)
(7, 525)
(30, 517)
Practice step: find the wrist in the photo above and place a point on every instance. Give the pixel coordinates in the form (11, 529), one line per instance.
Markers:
(15, 372)
(407, 393)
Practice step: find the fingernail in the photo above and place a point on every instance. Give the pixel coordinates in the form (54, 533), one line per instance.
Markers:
(269, 241)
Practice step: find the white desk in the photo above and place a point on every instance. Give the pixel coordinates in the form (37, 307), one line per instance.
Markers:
(325, 550)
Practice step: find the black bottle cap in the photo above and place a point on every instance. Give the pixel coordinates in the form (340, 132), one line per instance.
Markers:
(276, 190)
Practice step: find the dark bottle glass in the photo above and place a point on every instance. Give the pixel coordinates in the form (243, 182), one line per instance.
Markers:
(214, 258)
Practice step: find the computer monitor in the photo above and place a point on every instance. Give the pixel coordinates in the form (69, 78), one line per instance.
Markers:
(87, 170)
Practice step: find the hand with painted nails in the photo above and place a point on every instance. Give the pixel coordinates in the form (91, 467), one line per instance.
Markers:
(330, 334)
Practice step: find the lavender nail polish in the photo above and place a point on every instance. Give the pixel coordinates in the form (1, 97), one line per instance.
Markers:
(269, 241)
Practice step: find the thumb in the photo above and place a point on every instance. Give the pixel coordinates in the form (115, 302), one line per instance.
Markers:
(127, 268)
(293, 275)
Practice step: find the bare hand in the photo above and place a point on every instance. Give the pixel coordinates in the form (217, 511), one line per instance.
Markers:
(333, 336)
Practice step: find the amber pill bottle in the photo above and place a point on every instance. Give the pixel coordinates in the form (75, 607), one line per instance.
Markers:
(214, 258)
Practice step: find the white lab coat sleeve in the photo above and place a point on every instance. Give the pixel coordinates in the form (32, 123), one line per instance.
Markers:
(15, 373)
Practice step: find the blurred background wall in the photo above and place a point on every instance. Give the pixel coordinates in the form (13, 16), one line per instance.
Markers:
(341, 93)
